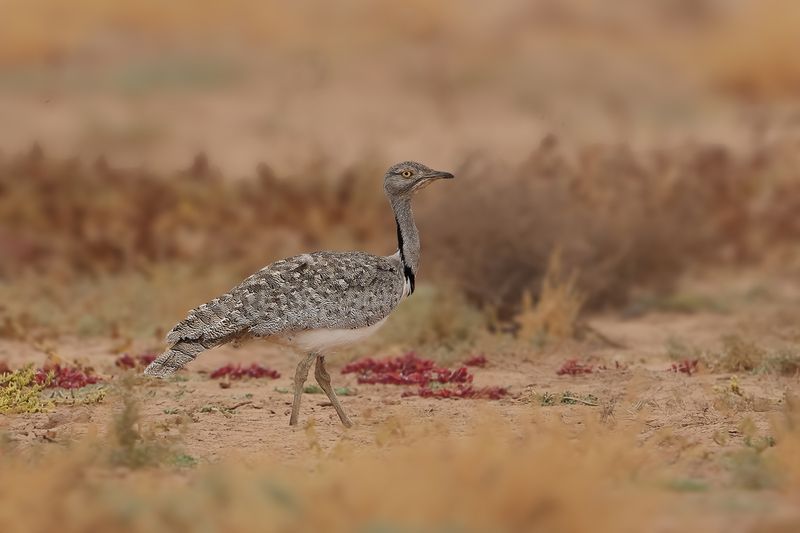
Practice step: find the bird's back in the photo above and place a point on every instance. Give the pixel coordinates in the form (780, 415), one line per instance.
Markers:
(334, 290)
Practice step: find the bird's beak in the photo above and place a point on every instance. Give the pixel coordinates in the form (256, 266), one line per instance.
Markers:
(430, 177)
(438, 174)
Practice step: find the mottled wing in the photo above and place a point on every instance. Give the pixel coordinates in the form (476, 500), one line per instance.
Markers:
(309, 291)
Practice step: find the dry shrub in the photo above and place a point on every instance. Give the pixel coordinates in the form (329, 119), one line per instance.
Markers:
(555, 314)
(622, 220)
(782, 363)
(65, 217)
(737, 355)
(741, 355)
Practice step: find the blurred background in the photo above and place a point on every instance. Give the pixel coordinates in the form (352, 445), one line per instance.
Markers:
(159, 144)
(286, 83)
(619, 252)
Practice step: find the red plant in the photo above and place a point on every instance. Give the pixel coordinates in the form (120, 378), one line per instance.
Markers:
(238, 372)
(405, 370)
(135, 361)
(685, 367)
(572, 367)
(460, 391)
(64, 377)
(4, 368)
(477, 360)
(410, 369)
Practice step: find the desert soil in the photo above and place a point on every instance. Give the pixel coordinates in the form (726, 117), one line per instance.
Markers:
(632, 385)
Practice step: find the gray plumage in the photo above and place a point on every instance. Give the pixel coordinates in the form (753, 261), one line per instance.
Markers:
(310, 291)
(333, 290)
(327, 292)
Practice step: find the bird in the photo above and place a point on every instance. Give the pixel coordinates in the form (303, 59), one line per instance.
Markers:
(313, 302)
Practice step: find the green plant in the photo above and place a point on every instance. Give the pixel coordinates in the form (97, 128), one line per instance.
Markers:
(20, 392)
(183, 460)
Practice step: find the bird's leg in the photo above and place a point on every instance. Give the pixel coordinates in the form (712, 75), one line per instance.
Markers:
(300, 376)
(324, 380)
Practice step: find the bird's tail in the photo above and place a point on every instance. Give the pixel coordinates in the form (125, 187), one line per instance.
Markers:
(181, 353)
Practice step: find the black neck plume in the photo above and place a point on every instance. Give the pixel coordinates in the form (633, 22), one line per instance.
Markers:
(408, 272)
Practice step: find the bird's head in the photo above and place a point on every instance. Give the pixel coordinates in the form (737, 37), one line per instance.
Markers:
(408, 177)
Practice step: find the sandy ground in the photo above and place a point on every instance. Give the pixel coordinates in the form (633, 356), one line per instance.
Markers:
(633, 385)
(680, 419)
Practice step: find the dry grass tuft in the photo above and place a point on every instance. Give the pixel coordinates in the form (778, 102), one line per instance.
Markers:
(434, 482)
(741, 355)
(555, 314)
(130, 442)
(414, 477)
(783, 363)
(737, 355)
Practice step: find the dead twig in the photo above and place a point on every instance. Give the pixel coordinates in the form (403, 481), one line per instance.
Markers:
(240, 404)
(578, 400)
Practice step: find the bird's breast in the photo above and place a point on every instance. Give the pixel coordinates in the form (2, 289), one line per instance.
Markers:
(326, 338)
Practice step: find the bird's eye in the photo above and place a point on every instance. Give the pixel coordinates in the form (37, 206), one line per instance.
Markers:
(406, 173)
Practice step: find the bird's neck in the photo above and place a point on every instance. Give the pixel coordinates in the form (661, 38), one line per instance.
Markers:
(407, 238)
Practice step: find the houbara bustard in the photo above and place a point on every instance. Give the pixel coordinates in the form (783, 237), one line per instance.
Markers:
(313, 302)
